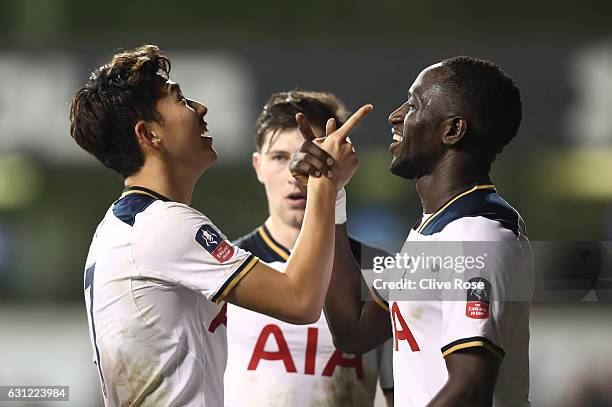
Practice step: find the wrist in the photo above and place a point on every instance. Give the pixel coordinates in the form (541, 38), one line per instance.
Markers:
(321, 183)
(340, 213)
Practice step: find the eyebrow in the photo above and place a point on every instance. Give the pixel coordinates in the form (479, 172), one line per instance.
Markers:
(269, 152)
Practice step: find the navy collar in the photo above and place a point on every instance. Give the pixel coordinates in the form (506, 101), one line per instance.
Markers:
(422, 225)
(143, 191)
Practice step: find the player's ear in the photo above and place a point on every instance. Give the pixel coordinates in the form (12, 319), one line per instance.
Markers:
(145, 135)
(453, 130)
(257, 165)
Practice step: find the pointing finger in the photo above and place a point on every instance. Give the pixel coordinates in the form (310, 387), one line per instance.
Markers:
(353, 121)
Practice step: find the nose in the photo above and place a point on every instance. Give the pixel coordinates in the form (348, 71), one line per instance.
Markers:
(200, 109)
(397, 116)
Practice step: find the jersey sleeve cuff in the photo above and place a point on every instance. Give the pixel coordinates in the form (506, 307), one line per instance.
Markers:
(246, 266)
(473, 342)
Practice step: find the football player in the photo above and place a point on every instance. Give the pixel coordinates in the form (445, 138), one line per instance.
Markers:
(271, 362)
(159, 272)
(470, 350)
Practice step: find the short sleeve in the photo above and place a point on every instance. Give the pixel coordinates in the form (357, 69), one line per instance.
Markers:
(477, 311)
(179, 245)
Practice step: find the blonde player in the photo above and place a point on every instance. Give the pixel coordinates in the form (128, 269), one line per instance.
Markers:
(272, 362)
(158, 271)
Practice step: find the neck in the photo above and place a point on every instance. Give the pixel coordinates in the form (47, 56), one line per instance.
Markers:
(281, 232)
(453, 174)
(157, 177)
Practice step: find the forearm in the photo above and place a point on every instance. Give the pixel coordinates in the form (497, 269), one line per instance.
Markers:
(309, 266)
(472, 374)
(355, 327)
(343, 302)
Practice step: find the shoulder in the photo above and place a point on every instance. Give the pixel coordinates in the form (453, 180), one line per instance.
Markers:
(146, 214)
(479, 216)
(477, 228)
(172, 217)
(170, 230)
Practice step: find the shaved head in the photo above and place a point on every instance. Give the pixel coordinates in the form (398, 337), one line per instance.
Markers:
(462, 104)
(488, 97)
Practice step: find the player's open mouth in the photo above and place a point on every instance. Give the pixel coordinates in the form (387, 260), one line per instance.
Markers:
(204, 131)
(398, 139)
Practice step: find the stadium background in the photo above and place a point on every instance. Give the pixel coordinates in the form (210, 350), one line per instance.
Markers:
(231, 56)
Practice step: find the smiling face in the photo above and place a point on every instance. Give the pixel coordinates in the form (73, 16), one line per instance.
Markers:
(182, 131)
(286, 202)
(416, 126)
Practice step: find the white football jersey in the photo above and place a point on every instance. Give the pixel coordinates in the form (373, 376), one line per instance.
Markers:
(156, 276)
(427, 330)
(274, 363)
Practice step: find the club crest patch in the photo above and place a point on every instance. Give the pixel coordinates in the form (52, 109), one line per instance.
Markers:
(214, 244)
(477, 306)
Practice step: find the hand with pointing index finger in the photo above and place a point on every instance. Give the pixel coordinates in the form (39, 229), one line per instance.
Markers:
(309, 159)
(332, 156)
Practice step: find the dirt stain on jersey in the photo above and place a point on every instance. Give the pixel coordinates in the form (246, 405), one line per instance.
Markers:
(345, 390)
(138, 375)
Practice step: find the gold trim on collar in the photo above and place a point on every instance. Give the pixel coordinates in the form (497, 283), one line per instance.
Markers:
(137, 191)
(271, 244)
(439, 211)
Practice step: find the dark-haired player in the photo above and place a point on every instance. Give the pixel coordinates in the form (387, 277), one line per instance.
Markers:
(272, 362)
(472, 350)
(158, 271)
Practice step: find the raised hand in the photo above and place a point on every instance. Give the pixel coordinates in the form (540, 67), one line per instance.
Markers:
(333, 156)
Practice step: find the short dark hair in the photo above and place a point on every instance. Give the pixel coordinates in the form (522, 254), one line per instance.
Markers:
(105, 110)
(493, 96)
(280, 110)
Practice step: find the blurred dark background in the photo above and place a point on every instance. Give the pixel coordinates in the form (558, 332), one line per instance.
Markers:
(231, 56)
